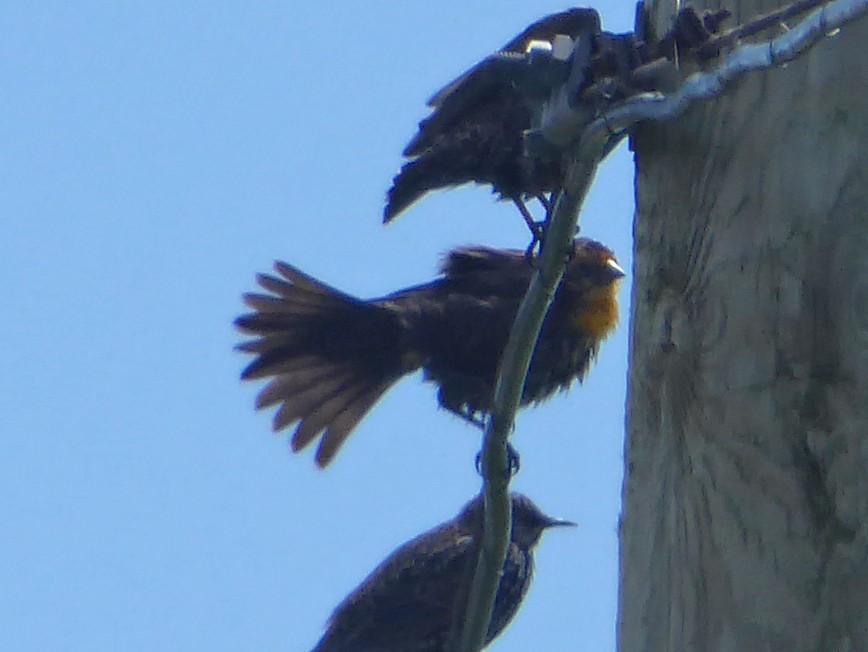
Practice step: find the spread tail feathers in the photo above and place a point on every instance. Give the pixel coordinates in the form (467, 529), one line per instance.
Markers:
(328, 356)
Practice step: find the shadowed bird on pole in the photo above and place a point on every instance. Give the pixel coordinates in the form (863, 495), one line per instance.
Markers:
(475, 131)
(330, 356)
(415, 600)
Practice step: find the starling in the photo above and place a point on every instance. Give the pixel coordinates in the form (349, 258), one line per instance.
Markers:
(477, 134)
(571, 22)
(415, 600)
(330, 356)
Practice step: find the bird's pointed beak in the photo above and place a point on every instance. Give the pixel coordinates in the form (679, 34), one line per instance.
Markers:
(615, 269)
(558, 522)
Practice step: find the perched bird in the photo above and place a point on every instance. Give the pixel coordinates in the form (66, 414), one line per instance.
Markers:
(330, 356)
(477, 134)
(415, 600)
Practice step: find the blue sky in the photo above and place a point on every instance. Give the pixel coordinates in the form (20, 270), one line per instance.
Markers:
(154, 157)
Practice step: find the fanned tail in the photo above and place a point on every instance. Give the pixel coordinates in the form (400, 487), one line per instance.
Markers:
(328, 356)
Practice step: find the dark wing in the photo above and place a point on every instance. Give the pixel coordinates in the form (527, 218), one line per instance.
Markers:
(407, 602)
(481, 271)
(477, 271)
(570, 22)
(486, 84)
(462, 321)
(480, 142)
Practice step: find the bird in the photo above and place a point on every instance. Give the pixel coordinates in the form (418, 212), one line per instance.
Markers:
(330, 356)
(414, 601)
(570, 22)
(475, 131)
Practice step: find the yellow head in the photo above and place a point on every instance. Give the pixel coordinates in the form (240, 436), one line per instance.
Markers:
(591, 284)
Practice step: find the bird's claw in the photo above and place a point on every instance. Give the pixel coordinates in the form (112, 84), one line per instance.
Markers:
(473, 417)
(513, 460)
(538, 232)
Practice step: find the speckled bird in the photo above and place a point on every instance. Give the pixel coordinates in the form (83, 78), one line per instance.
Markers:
(415, 600)
(477, 134)
(330, 356)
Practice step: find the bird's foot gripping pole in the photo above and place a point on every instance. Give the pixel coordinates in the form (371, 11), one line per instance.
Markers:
(513, 459)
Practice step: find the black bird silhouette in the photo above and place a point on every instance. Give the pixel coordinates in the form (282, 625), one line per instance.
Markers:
(330, 356)
(415, 600)
(477, 134)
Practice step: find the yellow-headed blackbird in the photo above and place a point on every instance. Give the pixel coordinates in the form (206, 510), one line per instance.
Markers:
(415, 600)
(477, 134)
(330, 356)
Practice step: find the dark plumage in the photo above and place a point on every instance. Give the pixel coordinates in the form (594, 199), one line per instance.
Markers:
(414, 601)
(477, 134)
(330, 356)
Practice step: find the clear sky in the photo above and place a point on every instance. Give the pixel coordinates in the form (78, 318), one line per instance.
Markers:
(154, 156)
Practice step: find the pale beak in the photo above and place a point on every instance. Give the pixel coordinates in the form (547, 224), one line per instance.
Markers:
(558, 522)
(615, 268)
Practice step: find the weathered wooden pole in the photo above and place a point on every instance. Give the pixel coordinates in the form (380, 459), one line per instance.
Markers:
(745, 524)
